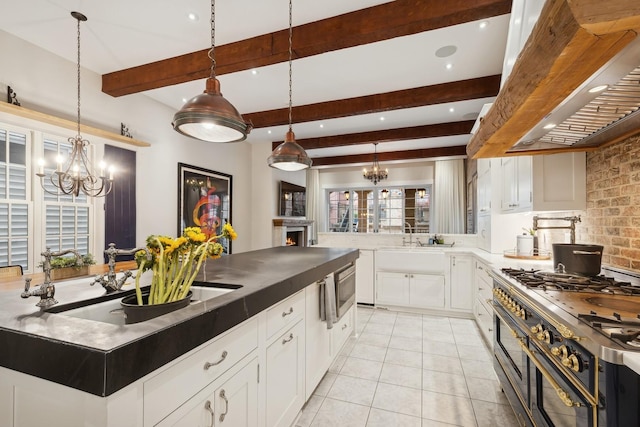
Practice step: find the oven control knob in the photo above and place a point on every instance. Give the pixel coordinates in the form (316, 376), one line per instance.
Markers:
(573, 362)
(561, 352)
(536, 329)
(544, 336)
(523, 314)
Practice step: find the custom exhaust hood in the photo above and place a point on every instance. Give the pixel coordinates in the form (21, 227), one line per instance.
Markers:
(574, 87)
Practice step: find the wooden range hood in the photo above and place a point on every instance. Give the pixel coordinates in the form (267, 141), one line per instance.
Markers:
(571, 41)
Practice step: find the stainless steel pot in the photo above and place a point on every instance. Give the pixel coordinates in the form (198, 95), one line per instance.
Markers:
(577, 258)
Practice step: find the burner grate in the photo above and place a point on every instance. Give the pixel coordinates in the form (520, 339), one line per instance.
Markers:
(547, 280)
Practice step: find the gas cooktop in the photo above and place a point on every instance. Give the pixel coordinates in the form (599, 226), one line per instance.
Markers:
(610, 305)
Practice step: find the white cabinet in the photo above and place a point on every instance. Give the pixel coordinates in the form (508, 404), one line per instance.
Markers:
(516, 183)
(285, 376)
(484, 187)
(544, 183)
(365, 277)
(462, 294)
(341, 331)
(482, 307)
(231, 401)
(410, 290)
(317, 340)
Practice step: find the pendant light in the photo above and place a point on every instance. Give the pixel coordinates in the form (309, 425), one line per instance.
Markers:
(375, 174)
(76, 174)
(289, 156)
(209, 116)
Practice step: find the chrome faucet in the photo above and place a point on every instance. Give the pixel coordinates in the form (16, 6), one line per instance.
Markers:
(572, 220)
(410, 233)
(108, 280)
(47, 289)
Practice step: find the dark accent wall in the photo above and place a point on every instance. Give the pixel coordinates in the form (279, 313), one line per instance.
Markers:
(120, 204)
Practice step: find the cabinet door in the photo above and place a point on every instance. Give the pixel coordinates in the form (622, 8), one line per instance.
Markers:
(231, 401)
(317, 341)
(462, 283)
(392, 288)
(509, 197)
(365, 277)
(236, 400)
(524, 197)
(484, 187)
(285, 377)
(426, 291)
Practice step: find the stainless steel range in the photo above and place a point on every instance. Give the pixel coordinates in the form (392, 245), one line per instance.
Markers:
(558, 344)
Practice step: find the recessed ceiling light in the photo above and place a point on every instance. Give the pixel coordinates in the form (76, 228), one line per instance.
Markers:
(445, 51)
(269, 132)
(597, 89)
(483, 25)
(321, 125)
(549, 126)
(451, 110)
(382, 119)
(192, 16)
(254, 72)
(449, 66)
(184, 100)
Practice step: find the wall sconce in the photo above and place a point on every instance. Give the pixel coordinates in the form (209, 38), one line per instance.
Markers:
(385, 193)
(421, 192)
(346, 195)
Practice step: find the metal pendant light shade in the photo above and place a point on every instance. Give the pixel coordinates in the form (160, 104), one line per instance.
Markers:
(209, 116)
(289, 156)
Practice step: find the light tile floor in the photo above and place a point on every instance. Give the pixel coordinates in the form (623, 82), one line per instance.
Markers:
(407, 370)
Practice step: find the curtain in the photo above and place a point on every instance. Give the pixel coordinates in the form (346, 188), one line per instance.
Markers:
(449, 197)
(313, 195)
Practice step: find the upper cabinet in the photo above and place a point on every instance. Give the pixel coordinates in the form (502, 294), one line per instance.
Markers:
(544, 183)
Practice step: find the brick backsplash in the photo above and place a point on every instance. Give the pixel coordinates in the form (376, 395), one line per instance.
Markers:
(612, 218)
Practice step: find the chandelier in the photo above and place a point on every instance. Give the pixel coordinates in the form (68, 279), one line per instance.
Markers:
(289, 156)
(76, 174)
(375, 174)
(209, 116)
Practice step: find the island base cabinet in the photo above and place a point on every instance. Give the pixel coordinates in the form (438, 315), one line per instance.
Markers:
(317, 341)
(285, 372)
(230, 401)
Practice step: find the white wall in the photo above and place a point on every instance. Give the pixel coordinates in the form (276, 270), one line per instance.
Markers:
(47, 83)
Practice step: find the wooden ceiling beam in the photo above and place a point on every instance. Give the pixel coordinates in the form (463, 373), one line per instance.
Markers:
(393, 19)
(387, 135)
(606, 17)
(463, 90)
(425, 153)
(557, 58)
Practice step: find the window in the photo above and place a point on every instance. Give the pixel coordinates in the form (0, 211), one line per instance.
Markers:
(379, 210)
(30, 218)
(14, 197)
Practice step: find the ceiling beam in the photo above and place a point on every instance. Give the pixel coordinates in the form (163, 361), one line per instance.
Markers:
(390, 20)
(462, 90)
(425, 153)
(558, 57)
(605, 17)
(387, 135)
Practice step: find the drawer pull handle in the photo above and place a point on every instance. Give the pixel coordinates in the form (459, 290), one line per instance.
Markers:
(286, 313)
(286, 340)
(208, 407)
(223, 356)
(344, 326)
(223, 395)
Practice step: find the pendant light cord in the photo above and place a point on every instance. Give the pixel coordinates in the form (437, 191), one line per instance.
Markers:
(290, 57)
(211, 53)
(78, 70)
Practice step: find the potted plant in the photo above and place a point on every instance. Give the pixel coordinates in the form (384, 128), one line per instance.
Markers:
(64, 267)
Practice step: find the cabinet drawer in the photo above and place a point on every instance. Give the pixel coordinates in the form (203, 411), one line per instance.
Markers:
(341, 331)
(484, 319)
(285, 313)
(175, 385)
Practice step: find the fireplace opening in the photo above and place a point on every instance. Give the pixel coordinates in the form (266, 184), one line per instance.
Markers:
(294, 238)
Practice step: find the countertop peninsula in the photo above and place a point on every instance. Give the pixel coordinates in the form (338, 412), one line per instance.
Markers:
(101, 358)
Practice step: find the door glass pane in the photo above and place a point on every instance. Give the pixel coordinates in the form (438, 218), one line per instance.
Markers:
(390, 210)
(340, 219)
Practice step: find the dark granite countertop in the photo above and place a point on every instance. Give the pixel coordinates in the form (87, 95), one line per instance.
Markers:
(102, 358)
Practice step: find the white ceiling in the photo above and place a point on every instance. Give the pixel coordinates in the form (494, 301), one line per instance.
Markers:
(122, 33)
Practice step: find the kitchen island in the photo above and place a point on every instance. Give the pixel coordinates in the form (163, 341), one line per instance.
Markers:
(107, 361)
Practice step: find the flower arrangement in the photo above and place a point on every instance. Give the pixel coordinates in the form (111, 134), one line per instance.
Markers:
(176, 262)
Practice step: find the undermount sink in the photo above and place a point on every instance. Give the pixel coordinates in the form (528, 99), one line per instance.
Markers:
(107, 308)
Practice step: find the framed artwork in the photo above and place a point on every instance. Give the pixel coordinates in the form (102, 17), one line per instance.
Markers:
(204, 201)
